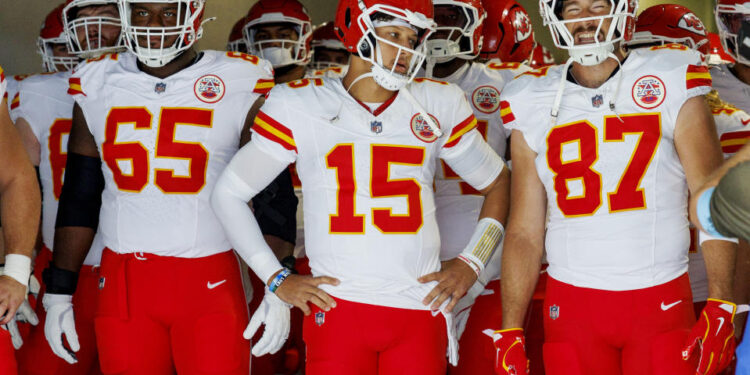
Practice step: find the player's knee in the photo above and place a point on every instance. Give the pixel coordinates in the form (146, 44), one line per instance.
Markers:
(219, 345)
(561, 358)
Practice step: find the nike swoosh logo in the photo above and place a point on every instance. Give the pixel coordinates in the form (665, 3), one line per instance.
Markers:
(745, 122)
(721, 323)
(671, 305)
(214, 285)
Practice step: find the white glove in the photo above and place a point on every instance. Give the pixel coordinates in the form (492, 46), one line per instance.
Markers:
(34, 286)
(450, 324)
(463, 307)
(274, 314)
(60, 321)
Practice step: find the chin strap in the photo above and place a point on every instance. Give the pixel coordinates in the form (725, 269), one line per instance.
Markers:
(427, 118)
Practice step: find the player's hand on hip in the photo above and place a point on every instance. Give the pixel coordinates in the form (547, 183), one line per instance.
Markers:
(274, 314)
(12, 295)
(454, 279)
(298, 290)
(713, 337)
(510, 358)
(60, 321)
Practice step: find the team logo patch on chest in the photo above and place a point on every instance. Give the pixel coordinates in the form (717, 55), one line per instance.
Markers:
(649, 92)
(209, 88)
(486, 99)
(421, 128)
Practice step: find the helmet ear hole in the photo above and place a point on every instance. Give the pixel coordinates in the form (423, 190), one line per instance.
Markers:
(347, 20)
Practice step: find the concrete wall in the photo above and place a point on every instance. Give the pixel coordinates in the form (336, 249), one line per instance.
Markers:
(20, 21)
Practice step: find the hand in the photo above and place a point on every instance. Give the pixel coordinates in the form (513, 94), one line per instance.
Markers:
(60, 321)
(24, 314)
(298, 290)
(715, 333)
(274, 314)
(12, 295)
(511, 352)
(463, 308)
(454, 279)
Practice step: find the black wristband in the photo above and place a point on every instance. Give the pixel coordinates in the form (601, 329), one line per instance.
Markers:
(59, 281)
(289, 262)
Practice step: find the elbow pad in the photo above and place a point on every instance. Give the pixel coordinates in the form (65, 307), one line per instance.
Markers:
(81, 196)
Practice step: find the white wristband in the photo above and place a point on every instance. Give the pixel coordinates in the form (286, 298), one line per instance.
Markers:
(488, 233)
(18, 267)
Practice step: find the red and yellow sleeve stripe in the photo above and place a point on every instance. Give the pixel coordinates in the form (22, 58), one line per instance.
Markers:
(733, 142)
(697, 76)
(459, 130)
(2, 75)
(74, 86)
(274, 131)
(16, 101)
(505, 112)
(263, 86)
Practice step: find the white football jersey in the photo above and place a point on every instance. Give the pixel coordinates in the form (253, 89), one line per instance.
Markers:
(11, 92)
(3, 84)
(732, 127)
(616, 191)
(458, 204)
(367, 178)
(163, 143)
(330, 72)
(730, 88)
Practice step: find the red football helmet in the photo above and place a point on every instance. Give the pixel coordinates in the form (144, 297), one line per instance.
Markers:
(459, 33)
(52, 33)
(188, 29)
(324, 36)
(507, 31)
(280, 52)
(733, 22)
(717, 55)
(670, 23)
(236, 41)
(541, 57)
(355, 26)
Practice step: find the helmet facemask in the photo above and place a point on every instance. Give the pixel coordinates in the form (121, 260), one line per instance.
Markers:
(86, 34)
(609, 30)
(50, 62)
(186, 32)
(733, 22)
(279, 52)
(453, 36)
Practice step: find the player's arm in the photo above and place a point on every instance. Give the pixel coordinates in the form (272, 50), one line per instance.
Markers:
(20, 207)
(275, 207)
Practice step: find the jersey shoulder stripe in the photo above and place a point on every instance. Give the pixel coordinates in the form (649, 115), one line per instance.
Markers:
(274, 131)
(459, 130)
(697, 76)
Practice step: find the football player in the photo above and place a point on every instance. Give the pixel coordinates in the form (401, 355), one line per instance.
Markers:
(328, 53)
(733, 80)
(452, 51)
(236, 41)
(367, 147)
(151, 130)
(613, 142)
(19, 211)
(42, 114)
(508, 38)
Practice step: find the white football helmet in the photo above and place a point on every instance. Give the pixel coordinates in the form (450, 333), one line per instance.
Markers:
(733, 19)
(90, 29)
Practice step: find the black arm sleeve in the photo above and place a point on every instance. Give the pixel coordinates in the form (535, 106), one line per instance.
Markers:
(81, 196)
(276, 208)
(730, 203)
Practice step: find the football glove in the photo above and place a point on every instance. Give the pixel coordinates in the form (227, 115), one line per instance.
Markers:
(274, 314)
(713, 335)
(510, 356)
(59, 322)
(463, 308)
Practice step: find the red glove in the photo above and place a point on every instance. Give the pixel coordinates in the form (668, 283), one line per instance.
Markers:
(511, 352)
(715, 333)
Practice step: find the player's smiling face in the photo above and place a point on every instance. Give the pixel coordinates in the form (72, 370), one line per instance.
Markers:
(584, 32)
(157, 15)
(399, 35)
(107, 35)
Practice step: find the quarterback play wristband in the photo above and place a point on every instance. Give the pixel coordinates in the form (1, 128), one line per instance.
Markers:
(488, 233)
(18, 267)
(279, 279)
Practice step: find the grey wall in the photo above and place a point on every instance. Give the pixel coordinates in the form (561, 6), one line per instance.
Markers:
(20, 21)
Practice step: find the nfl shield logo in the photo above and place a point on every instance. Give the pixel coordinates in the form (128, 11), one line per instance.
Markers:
(320, 318)
(554, 312)
(101, 283)
(376, 127)
(597, 101)
(160, 87)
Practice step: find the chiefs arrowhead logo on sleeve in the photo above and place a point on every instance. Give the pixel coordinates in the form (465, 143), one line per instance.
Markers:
(486, 99)
(209, 88)
(649, 92)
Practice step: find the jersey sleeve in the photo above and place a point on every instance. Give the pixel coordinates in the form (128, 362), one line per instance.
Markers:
(3, 83)
(86, 80)
(697, 80)
(272, 132)
(733, 130)
(461, 121)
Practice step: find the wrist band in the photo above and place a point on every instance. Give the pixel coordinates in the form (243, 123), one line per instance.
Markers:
(483, 243)
(18, 267)
(59, 281)
(475, 267)
(279, 279)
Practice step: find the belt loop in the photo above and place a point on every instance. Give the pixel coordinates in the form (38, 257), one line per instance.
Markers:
(139, 255)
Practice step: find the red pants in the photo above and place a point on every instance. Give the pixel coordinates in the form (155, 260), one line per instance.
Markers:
(362, 339)
(7, 354)
(158, 315)
(35, 356)
(642, 331)
(476, 351)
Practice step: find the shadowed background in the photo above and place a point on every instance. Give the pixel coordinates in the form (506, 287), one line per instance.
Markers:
(20, 21)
